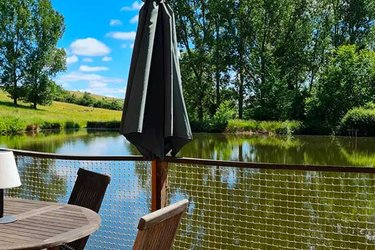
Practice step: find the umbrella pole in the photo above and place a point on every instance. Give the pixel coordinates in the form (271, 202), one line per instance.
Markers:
(159, 185)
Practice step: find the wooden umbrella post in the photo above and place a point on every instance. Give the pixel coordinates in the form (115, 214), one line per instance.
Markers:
(159, 181)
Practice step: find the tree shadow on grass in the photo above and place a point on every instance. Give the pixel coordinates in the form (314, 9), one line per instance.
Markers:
(21, 106)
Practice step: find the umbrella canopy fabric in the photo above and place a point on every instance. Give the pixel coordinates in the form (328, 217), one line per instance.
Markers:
(154, 117)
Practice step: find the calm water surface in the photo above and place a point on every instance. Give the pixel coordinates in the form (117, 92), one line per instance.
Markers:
(324, 150)
(245, 208)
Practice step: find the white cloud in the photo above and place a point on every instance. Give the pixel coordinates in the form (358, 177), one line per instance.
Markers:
(107, 59)
(89, 47)
(79, 76)
(86, 68)
(72, 59)
(97, 84)
(115, 22)
(87, 59)
(135, 6)
(127, 46)
(122, 35)
(134, 19)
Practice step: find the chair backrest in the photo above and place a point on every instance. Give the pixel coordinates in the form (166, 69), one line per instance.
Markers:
(158, 229)
(88, 192)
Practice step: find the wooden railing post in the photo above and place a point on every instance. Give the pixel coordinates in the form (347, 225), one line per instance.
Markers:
(159, 184)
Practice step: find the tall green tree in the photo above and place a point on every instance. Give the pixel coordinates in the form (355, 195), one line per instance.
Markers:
(266, 56)
(15, 42)
(348, 81)
(45, 59)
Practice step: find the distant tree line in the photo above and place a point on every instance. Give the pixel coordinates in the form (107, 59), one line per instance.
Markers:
(303, 60)
(29, 32)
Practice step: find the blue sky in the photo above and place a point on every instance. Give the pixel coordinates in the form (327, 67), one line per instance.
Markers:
(98, 39)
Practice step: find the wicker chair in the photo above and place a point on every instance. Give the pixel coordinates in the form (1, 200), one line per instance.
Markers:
(88, 191)
(157, 230)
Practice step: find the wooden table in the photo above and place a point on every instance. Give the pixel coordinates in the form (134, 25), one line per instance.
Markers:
(45, 224)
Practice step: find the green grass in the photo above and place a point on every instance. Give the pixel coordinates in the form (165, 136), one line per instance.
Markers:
(17, 119)
(264, 127)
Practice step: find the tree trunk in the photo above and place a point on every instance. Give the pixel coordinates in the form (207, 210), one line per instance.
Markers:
(200, 110)
(15, 89)
(217, 73)
(240, 96)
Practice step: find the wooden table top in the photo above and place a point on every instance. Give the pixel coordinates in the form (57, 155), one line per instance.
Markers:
(45, 224)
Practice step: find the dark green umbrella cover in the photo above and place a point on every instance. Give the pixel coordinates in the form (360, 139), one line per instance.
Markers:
(154, 117)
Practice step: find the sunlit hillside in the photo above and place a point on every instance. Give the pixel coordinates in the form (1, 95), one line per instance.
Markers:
(58, 112)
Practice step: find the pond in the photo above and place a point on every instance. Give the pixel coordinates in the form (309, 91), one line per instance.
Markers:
(322, 150)
(230, 208)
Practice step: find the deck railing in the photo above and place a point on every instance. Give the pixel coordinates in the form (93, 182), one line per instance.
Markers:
(233, 205)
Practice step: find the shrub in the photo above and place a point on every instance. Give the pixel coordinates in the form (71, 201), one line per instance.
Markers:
(50, 125)
(220, 120)
(358, 118)
(198, 126)
(242, 126)
(32, 127)
(10, 125)
(271, 127)
(108, 124)
(71, 124)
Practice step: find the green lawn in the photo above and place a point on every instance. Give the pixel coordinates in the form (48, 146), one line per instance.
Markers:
(24, 116)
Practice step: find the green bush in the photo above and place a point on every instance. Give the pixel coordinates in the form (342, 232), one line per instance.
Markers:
(50, 125)
(270, 127)
(10, 125)
(71, 125)
(220, 120)
(198, 126)
(236, 126)
(361, 119)
(108, 124)
(32, 127)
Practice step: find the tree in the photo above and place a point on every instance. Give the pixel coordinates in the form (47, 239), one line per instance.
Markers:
(196, 25)
(266, 56)
(45, 59)
(15, 42)
(348, 81)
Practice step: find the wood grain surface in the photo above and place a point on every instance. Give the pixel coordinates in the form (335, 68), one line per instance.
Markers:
(45, 224)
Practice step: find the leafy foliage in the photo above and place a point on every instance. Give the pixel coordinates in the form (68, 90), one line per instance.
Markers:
(29, 32)
(265, 127)
(360, 119)
(87, 99)
(347, 81)
(275, 60)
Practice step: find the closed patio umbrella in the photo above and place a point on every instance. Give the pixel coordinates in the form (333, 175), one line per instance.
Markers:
(154, 117)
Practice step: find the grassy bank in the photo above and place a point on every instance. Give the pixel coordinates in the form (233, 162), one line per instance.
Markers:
(58, 115)
(264, 127)
(65, 115)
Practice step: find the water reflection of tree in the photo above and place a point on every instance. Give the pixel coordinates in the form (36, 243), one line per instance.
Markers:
(39, 180)
(358, 151)
(142, 171)
(255, 209)
(319, 150)
(243, 208)
(52, 140)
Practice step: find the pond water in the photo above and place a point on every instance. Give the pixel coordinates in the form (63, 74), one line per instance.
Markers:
(230, 208)
(322, 150)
